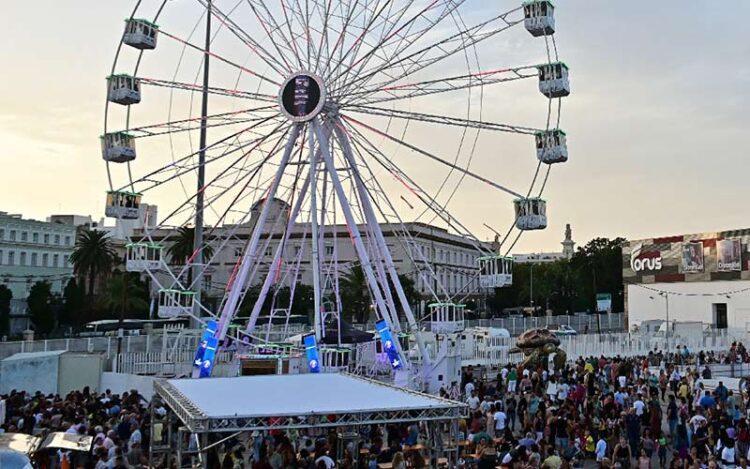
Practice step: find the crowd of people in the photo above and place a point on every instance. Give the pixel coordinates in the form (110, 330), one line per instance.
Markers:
(611, 412)
(643, 412)
(118, 425)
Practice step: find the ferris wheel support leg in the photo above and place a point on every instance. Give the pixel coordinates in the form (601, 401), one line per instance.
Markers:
(359, 246)
(315, 247)
(273, 269)
(371, 220)
(248, 259)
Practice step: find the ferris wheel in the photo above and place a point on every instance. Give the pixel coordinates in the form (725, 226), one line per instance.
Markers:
(268, 124)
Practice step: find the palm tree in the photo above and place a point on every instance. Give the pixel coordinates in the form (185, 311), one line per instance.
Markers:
(93, 255)
(181, 251)
(125, 295)
(355, 294)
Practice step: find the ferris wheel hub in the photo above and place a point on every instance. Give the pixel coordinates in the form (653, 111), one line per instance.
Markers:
(302, 96)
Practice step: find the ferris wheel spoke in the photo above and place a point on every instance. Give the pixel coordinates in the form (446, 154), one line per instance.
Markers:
(268, 58)
(256, 145)
(272, 29)
(211, 90)
(465, 38)
(394, 92)
(431, 156)
(184, 125)
(411, 185)
(402, 40)
(220, 58)
(444, 120)
(182, 170)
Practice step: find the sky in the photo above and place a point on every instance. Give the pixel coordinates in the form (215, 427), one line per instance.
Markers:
(656, 122)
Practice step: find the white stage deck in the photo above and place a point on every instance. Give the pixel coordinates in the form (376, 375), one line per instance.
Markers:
(248, 402)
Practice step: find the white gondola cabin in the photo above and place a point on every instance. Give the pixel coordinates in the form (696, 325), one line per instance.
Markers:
(551, 146)
(495, 271)
(141, 257)
(140, 33)
(531, 213)
(123, 89)
(118, 147)
(539, 17)
(446, 318)
(123, 204)
(175, 303)
(554, 80)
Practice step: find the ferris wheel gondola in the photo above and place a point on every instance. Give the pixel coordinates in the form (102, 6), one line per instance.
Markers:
(325, 116)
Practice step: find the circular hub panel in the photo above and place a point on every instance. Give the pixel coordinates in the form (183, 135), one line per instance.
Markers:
(302, 96)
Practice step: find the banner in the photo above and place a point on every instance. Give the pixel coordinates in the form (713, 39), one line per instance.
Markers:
(729, 253)
(211, 327)
(208, 357)
(388, 346)
(603, 302)
(692, 257)
(311, 351)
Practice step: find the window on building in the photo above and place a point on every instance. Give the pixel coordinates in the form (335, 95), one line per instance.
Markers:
(207, 282)
(297, 249)
(12, 235)
(65, 261)
(329, 250)
(24, 236)
(45, 260)
(237, 252)
(55, 258)
(2, 234)
(35, 237)
(57, 239)
(11, 258)
(1, 257)
(34, 259)
(269, 251)
(67, 241)
(22, 259)
(46, 238)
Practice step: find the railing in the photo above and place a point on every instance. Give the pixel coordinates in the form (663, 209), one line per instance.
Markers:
(582, 323)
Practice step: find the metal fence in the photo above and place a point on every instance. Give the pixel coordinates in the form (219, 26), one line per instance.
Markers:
(581, 323)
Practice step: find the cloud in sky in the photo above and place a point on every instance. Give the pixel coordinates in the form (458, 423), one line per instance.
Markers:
(656, 122)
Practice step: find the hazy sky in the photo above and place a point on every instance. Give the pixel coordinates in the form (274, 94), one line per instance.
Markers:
(656, 121)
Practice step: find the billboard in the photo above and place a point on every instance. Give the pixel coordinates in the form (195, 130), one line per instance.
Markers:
(729, 254)
(692, 257)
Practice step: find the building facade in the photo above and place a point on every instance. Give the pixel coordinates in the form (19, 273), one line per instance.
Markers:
(32, 250)
(702, 277)
(417, 249)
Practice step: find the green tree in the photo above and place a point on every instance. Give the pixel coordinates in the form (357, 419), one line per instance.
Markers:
(355, 295)
(598, 269)
(126, 296)
(93, 256)
(40, 306)
(5, 296)
(181, 250)
(74, 302)
(410, 292)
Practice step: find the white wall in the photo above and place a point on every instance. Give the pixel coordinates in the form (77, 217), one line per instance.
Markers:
(690, 308)
(30, 372)
(121, 382)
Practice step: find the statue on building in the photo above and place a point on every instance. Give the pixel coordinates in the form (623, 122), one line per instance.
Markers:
(568, 243)
(541, 349)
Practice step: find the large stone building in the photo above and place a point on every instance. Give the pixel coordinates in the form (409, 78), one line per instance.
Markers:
(543, 257)
(417, 251)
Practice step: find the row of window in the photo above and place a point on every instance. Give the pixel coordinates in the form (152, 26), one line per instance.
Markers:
(271, 250)
(33, 259)
(452, 282)
(23, 236)
(445, 256)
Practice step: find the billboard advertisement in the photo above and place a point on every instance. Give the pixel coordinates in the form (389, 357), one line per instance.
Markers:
(729, 253)
(692, 257)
